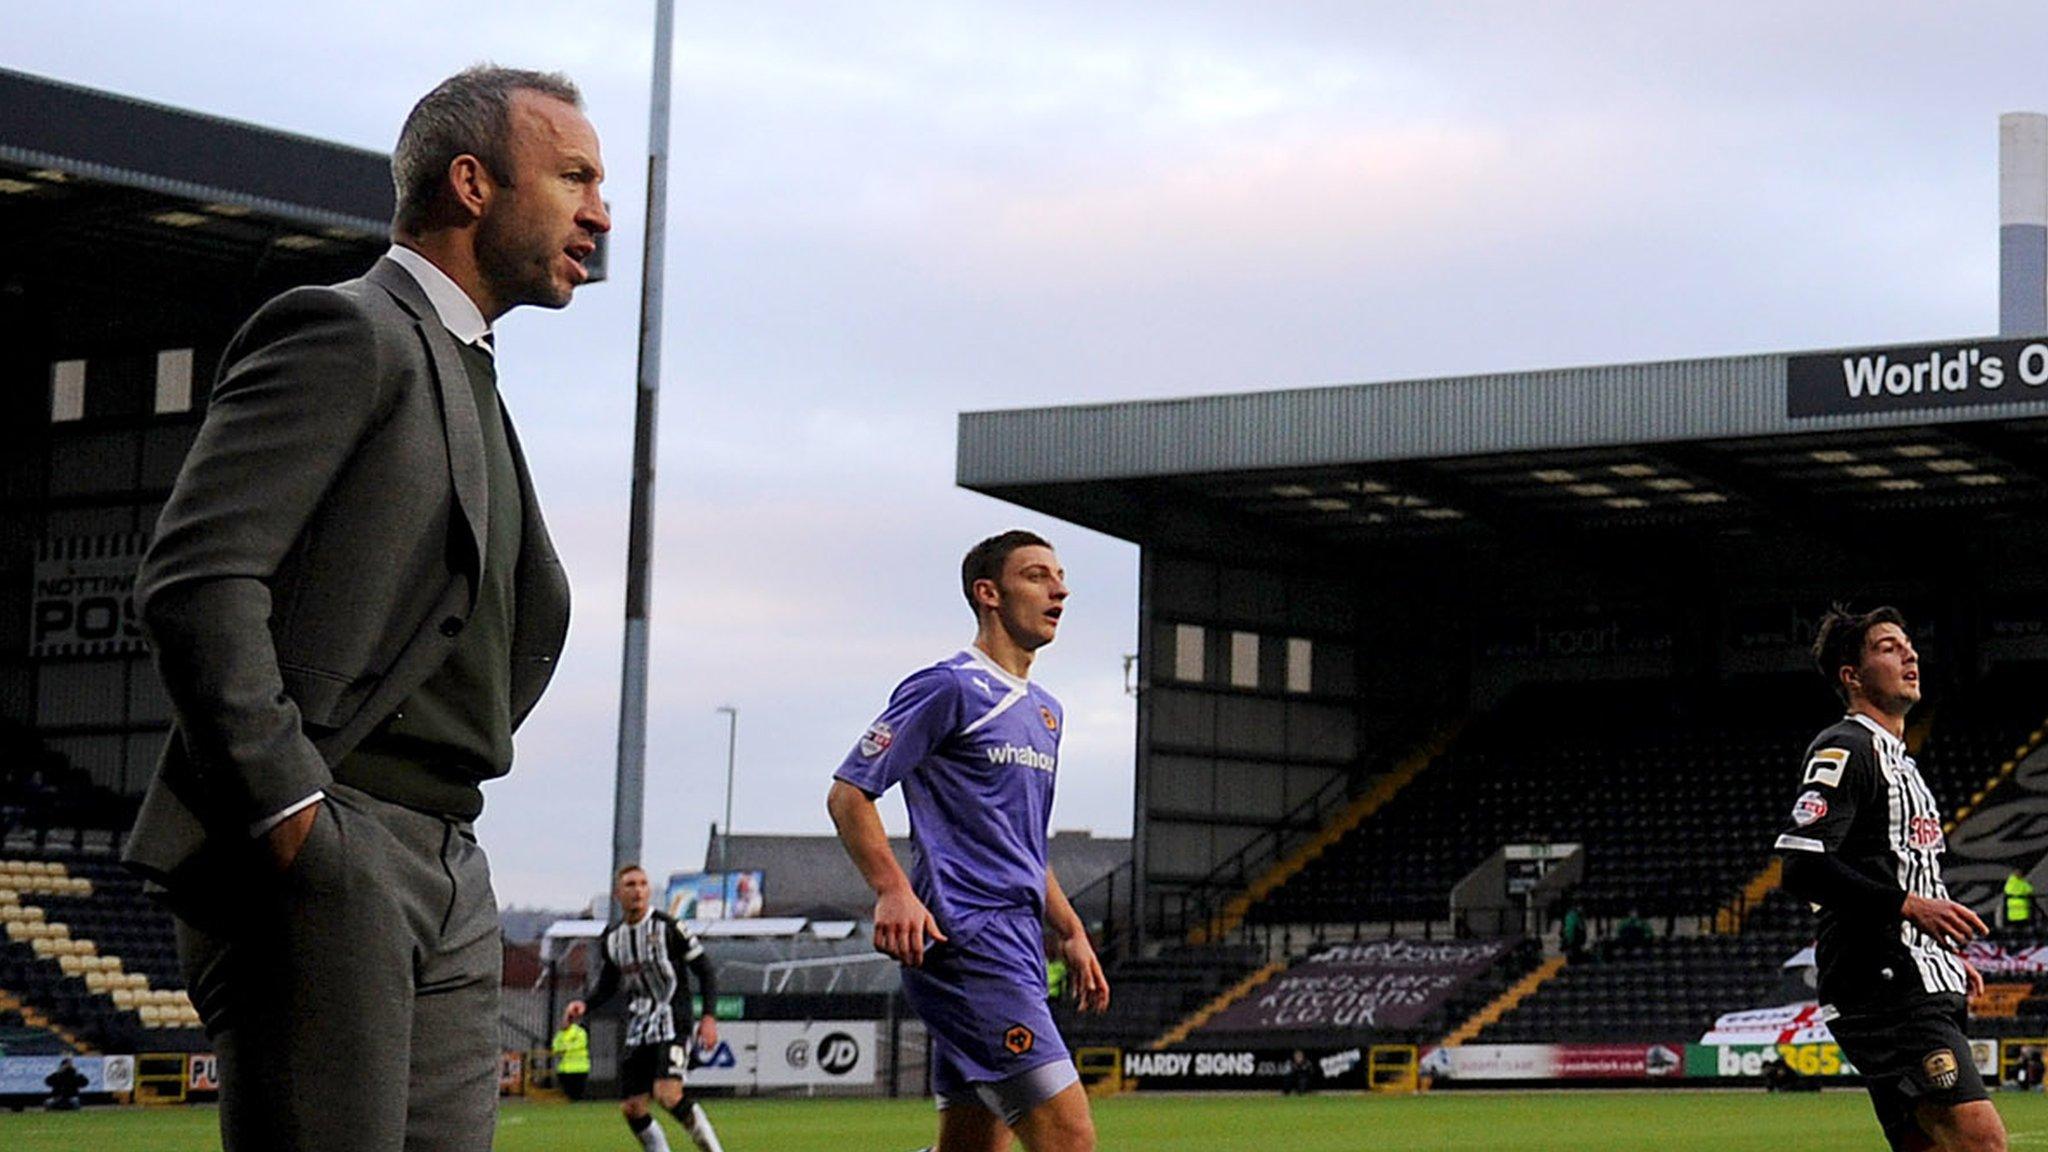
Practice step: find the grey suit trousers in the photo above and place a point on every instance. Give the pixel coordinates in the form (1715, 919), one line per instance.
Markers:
(353, 1000)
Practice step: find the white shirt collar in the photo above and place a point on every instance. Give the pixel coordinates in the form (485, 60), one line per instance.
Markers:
(988, 664)
(1878, 730)
(459, 314)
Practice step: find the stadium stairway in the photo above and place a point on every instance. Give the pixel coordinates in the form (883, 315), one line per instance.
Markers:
(1225, 999)
(1151, 994)
(19, 1025)
(1353, 814)
(1505, 1003)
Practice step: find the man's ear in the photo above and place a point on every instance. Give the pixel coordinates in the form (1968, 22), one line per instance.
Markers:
(994, 596)
(470, 184)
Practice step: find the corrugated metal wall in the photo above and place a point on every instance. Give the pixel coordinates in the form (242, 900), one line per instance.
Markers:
(1402, 420)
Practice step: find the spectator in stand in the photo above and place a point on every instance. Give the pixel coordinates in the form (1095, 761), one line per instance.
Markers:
(65, 1084)
(1573, 935)
(2027, 1073)
(572, 1053)
(2017, 912)
(1633, 934)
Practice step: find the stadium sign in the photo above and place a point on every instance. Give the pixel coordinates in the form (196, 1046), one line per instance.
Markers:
(1747, 1061)
(1384, 984)
(1819, 1060)
(1242, 1069)
(23, 1075)
(1916, 376)
(83, 599)
(1527, 1062)
(768, 1054)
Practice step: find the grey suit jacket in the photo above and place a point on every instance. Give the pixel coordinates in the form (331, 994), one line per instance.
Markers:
(317, 559)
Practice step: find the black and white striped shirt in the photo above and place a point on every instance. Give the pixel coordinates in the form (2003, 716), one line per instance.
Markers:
(1861, 800)
(645, 960)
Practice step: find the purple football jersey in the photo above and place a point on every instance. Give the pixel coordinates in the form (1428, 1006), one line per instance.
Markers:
(976, 750)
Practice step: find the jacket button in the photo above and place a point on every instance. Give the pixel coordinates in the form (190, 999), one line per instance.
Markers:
(452, 626)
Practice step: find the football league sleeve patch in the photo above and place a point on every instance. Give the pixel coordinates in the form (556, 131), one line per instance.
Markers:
(922, 712)
(1825, 805)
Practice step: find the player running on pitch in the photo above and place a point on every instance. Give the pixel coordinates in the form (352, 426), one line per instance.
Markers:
(645, 953)
(976, 745)
(1864, 844)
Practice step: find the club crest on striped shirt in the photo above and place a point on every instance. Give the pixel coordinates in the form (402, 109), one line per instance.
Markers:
(1941, 1068)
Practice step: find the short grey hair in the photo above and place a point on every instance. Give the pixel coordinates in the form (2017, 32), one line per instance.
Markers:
(470, 113)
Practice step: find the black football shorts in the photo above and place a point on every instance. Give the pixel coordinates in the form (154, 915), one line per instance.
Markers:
(1909, 1055)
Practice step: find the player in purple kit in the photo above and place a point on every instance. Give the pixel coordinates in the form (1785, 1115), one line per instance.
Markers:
(975, 746)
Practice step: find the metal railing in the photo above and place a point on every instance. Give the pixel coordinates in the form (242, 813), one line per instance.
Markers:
(1097, 903)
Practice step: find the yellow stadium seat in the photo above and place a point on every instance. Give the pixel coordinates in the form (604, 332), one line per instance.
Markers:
(123, 997)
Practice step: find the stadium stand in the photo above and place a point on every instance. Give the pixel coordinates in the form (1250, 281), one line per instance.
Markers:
(45, 800)
(1152, 994)
(1655, 785)
(88, 953)
(1664, 990)
(1676, 795)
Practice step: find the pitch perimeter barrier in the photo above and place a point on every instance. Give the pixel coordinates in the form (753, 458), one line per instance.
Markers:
(1403, 1068)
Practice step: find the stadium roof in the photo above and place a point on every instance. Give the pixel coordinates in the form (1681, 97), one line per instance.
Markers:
(112, 203)
(1832, 438)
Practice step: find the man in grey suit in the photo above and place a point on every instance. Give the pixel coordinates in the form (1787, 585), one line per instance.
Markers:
(353, 602)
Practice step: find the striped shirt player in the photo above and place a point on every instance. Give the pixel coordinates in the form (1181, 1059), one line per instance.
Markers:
(1863, 843)
(1862, 800)
(646, 961)
(645, 955)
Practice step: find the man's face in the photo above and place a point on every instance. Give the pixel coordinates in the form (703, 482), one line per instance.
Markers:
(633, 893)
(1889, 675)
(537, 231)
(1030, 595)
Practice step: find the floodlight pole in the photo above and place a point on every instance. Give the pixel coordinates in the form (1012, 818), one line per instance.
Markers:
(628, 807)
(732, 739)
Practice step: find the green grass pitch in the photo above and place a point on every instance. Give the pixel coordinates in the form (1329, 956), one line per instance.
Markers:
(1669, 1121)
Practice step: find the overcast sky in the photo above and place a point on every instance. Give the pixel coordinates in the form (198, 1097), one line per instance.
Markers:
(883, 214)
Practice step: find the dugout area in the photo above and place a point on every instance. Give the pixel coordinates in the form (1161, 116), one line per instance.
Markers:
(1345, 588)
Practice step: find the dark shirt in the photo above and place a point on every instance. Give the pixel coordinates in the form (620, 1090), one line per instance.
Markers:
(65, 1083)
(455, 731)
